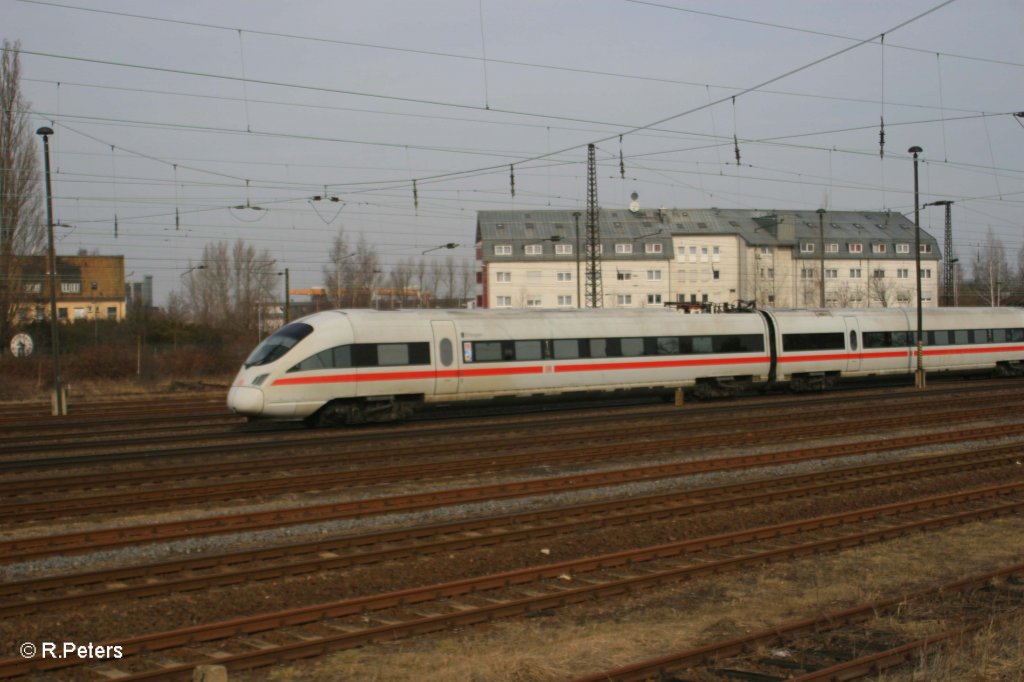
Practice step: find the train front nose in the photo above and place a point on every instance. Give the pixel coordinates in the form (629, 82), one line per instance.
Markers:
(246, 400)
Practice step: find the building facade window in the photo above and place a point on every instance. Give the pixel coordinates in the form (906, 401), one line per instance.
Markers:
(652, 248)
(564, 276)
(879, 274)
(503, 277)
(624, 299)
(831, 274)
(902, 273)
(623, 247)
(565, 300)
(502, 249)
(563, 249)
(534, 249)
(832, 247)
(878, 248)
(503, 301)
(623, 276)
(926, 248)
(806, 247)
(654, 299)
(855, 248)
(903, 248)
(654, 275)
(533, 303)
(855, 273)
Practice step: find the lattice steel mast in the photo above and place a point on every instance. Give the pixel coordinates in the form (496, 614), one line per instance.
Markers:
(593, 289)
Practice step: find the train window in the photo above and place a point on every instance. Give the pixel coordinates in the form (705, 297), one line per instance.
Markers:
(565, 349)
(392, 354)
(901, 340)
(875, 339)
(701, 344)
(599, 348)
(364, 355)
(739, 343)
(340, 356)
(668, 345)
(938, 338)
(1015, 334)
(447, 354)
(312, 362)
(819, 341)
(528, 350)
(998, 336)
(853, 339)
(487, 351)
(961, 337)
(278, 343)
(632, 347)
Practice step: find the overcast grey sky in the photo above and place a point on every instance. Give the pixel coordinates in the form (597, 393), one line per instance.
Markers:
(167, 114)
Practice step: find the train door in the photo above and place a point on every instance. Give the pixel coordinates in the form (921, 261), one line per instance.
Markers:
(446, 376)
(853, 342)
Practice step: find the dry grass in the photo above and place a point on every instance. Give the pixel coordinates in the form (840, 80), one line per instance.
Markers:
(590, 638)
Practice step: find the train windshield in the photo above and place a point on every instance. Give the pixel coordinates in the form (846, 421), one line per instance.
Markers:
(278, 343)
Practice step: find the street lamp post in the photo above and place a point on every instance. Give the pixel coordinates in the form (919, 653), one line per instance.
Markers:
(59, 407)
(919, 375)
(821, 238)
(287, 297)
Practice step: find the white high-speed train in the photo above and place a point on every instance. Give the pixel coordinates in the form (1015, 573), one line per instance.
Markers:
(351, 366)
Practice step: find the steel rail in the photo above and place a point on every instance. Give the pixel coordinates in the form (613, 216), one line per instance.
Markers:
(20, 549)
(24, 486)
(355, 436)
(657, 425)
(237, 567)
(165, 494)
(718, 651)
(558, 595)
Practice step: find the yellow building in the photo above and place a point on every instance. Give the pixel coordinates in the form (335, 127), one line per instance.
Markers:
(90, 288)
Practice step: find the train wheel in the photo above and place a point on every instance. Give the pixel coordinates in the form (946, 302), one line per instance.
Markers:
(337, 414)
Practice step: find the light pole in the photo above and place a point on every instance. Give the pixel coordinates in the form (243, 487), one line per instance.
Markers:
(821, 236)
(919, 375)
(287, 297)
(59, 408)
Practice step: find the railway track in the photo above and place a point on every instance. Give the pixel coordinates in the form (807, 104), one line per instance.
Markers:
(831, 647)
(264, 639)
(25, 597)
(34, 547)
(117, 446)
(51, 497)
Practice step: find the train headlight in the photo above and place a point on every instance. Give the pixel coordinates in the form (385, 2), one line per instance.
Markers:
(258, 381)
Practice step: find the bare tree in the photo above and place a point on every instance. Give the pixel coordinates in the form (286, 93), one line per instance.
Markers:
(366, 274)
(991, 271)
(230, 286)
(879, 290)
(400, 280)
(21, 226)
(337, 273)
